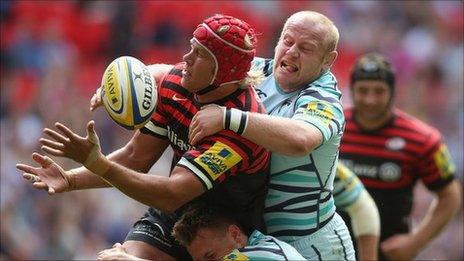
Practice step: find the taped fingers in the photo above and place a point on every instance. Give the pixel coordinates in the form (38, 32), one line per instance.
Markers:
(31, 177)
(44, 161)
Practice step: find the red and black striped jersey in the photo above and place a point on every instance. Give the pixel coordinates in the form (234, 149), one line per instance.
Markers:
(391, 159)
(233, 169)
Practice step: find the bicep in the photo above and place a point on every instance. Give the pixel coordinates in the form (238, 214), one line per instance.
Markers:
(184, 185)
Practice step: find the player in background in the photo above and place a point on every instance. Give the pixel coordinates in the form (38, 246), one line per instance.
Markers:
(352, 199)
(303, 131)
(211, 235)
(222, 170)
(390, 151)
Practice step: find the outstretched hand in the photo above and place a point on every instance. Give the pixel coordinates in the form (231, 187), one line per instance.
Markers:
(66, 143)
(49, 176)
(206, 122)
(400, 247)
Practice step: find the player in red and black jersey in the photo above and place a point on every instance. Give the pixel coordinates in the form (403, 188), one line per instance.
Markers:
(224, 169)
(230, 164)
(390, 151)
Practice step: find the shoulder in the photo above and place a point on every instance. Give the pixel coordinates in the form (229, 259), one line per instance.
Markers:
(263, 64)
(424, 132)
(324, 88)
(171, 83)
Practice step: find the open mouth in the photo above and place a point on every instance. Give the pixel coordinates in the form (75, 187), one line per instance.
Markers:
(291, 68)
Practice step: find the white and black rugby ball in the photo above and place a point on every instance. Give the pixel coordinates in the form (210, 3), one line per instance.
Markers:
(128, 92)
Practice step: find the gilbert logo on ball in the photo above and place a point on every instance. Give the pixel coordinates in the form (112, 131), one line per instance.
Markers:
(128, 92)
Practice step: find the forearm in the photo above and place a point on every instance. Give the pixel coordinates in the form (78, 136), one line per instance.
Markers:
(439, 214)
(282, 135)
(85, 179)
(150, 190)
(367, 246)
(164, 193)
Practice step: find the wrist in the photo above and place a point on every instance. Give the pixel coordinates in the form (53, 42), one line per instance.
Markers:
(418, 241)
(99, 166)
(235, 120)
(70, 177)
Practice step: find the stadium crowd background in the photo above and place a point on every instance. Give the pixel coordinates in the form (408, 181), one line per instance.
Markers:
(53, 54)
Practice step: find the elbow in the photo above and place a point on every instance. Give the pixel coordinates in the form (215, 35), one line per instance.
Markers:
(302, 145)
(167, 207)
(171, 200)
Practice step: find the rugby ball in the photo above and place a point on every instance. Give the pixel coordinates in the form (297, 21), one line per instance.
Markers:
(128, 92)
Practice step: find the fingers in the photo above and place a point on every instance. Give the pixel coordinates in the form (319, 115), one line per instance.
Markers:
(51, 144)
(192, 127)
(91, 134)
(51, 190)
(196, 137)
(56, 136)
(66, 131)
(40, 185)
(44, 161)
(209, 105)
(53, 152)
(31, 177)
(25, 168)
(95, 102)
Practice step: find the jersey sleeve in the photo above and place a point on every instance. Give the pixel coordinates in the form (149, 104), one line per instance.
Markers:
(216, 158)
(321, 109)
(262, 64)
(436, 167)
(347, 187)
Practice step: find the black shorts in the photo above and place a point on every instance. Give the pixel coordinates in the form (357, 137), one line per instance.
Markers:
(155, 228)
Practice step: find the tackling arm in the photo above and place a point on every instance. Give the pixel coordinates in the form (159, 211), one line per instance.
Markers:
(286, 136)
(282, 135)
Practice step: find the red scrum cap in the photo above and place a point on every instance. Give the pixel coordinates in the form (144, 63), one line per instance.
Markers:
(231, 42)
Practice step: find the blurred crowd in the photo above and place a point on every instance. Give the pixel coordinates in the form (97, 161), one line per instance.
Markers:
(53, 54)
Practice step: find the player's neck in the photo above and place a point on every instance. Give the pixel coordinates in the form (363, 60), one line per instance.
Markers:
(374, 124)
(218, 93)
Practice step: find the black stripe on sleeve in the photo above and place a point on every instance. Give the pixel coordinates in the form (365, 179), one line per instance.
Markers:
(266, 70)
(317, 95)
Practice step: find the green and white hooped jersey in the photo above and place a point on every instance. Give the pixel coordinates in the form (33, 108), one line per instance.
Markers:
(299, 199)
(261, 247)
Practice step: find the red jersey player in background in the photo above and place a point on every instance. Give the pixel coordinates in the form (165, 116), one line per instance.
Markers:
(390, 151)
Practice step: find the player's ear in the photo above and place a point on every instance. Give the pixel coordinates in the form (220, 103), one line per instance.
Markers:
(235, 232)
(329, 59)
